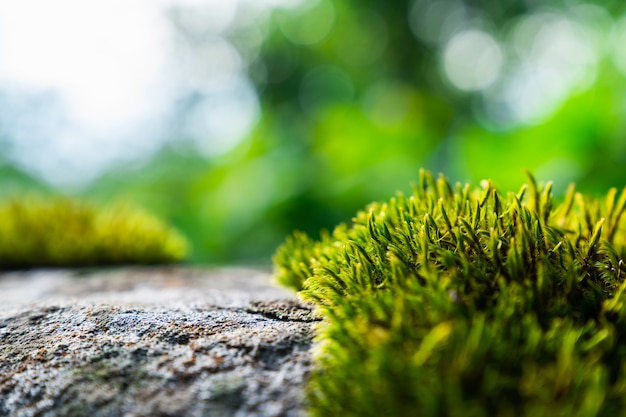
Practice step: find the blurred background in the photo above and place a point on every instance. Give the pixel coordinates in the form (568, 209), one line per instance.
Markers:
(239, 121)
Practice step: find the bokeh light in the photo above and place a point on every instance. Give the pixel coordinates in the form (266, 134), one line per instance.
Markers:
(619, 40)
(242, 120)
(472, 60)
(555, 58)
(309, 23)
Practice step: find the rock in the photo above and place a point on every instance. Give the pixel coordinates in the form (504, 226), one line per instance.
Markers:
(151, 342)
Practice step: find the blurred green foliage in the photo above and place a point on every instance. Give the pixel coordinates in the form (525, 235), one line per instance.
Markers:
(355, 99)
(54, 232)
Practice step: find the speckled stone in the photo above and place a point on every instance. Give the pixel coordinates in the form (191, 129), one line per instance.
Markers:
(152, 342)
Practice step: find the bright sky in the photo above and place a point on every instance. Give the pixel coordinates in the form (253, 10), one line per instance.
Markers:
(87, 85)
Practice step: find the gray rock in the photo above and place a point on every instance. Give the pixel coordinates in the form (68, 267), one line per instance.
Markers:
(151, 342)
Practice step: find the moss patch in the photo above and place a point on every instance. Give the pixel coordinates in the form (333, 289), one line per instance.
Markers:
(60, 232)
(459, 301)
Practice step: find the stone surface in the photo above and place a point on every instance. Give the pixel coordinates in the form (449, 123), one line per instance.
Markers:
(151, 342)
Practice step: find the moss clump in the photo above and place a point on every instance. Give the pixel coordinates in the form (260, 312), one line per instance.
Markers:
(61, 232)
(458, 301)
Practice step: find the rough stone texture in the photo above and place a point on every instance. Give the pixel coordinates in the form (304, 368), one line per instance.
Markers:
(151, 342)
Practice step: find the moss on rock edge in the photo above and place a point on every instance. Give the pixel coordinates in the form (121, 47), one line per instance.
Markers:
(60, 232)
(458, 301)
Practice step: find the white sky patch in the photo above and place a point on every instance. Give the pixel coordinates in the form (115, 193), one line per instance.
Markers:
(104, 58)
(211, 65)
(222, 117)
(87, 85)
(214, 16)
(472, 60)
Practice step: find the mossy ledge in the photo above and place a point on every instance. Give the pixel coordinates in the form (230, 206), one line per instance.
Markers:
(458, 301)
(63, 232)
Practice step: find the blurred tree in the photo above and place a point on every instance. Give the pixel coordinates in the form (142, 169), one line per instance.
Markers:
(356, 96)
(14, 181)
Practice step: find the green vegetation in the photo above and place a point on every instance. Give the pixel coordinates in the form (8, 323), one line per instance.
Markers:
(352, 96)
(459, 301)
(59, 232)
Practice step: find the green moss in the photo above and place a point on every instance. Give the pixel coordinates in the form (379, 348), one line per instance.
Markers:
(61, 232)
(459, 301)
